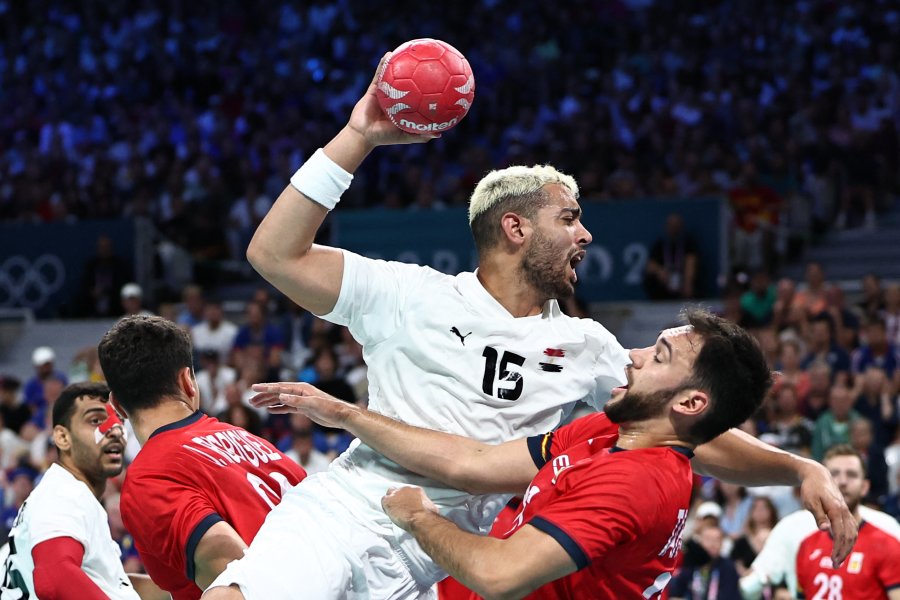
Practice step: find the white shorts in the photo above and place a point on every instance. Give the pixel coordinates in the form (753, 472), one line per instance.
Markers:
(311, 548)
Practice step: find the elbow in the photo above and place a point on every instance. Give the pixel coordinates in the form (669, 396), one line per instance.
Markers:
(500, 588)
(259, 257)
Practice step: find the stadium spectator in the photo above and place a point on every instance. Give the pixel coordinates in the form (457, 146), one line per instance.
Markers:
(673, 264)
(762, 518)
(257, 336)
(759, 300)
(822, 346)
(192, 306)
(302, 450)
(212, 379)
(787, 428)
(215, 332)
(862, 440)
(891, 313)
(104, 275)
(875, 402)
(876, 351)
(132, 300)
(14, 412)
(833, 426)
(872, 302)
(43, 359)
(812, 298)
(715, 577)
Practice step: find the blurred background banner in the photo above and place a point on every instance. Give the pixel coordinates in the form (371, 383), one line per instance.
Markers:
(624, 233)
(41, 265)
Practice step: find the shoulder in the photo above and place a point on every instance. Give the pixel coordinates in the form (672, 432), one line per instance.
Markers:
(881, 521)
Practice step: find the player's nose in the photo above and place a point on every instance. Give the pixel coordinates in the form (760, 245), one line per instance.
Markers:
(584, 236)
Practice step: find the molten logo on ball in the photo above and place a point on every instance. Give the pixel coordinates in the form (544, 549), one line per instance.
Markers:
(426, 86)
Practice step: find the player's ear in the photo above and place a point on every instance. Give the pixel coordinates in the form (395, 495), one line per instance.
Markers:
(691, 403)
(62, 438)
(515, 228)
(186, 382)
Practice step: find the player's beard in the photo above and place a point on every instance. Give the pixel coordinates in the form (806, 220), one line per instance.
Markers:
(636, 406)
(544, 269)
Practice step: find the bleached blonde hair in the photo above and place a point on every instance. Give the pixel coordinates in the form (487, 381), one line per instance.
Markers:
(514, 189)
(514, 182)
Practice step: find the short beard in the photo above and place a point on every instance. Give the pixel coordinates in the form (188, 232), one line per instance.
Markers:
(635, 406)
(542, 271)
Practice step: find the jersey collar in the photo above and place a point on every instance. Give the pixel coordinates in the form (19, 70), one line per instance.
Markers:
(189, 420)
(470, 288)
(679, 449)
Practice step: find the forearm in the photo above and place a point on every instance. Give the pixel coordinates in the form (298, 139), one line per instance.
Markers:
(460, 462)
(740, 458)
(146, 589)
(475, 561)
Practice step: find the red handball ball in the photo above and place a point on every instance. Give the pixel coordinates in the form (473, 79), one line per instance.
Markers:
(426, 86)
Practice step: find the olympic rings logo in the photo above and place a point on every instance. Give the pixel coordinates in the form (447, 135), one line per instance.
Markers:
(29, 284)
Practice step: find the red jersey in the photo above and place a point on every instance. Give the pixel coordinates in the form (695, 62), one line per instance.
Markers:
(624, 543)
(190, 475)
(872, 568)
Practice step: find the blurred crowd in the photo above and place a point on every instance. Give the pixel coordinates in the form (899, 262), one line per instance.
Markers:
(196, 114)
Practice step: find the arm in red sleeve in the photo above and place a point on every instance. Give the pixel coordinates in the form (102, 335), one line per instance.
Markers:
(58, 574)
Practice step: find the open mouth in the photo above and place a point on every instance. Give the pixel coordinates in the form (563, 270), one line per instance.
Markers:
(573, 262)
(114, 450)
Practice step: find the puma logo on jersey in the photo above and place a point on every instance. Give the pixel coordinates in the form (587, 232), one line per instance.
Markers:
(462, 338)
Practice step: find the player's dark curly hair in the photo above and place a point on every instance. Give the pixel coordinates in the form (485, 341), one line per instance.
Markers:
(731, 368)
(64, 407)
(141, 357)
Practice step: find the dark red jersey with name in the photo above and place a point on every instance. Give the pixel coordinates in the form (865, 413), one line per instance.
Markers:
(190, 475)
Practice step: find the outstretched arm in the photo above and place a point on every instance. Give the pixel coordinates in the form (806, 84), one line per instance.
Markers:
(738, 457)
(282, 249)
(491, 567)
(457, 461)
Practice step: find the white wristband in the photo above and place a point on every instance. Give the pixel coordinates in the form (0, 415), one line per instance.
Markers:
(321, 180)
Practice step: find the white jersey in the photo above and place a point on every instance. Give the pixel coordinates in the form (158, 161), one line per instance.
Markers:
(777, 561)
(443, 354)
(63, 506)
